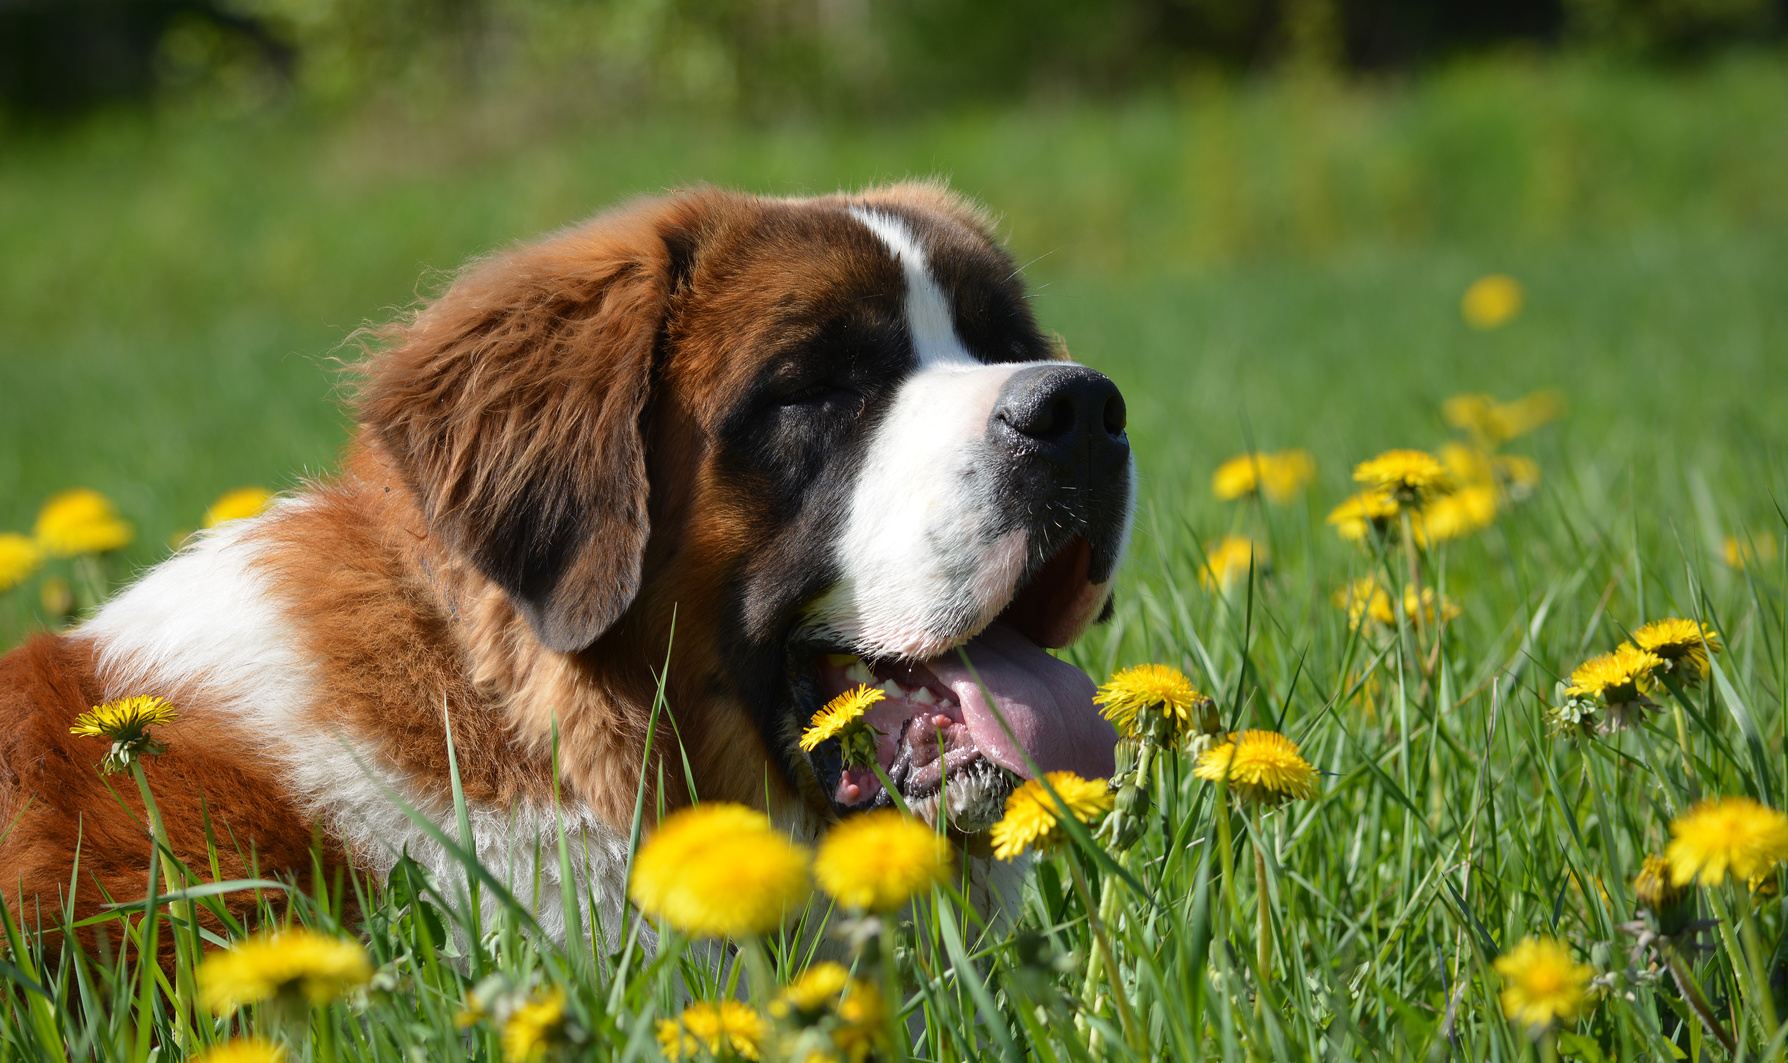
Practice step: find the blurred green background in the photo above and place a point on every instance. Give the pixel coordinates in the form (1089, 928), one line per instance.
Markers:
(1258, 218)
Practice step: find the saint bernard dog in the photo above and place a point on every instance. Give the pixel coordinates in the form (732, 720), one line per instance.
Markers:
(746, 451)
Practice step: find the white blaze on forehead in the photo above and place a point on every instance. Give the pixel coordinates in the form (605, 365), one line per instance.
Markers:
(924, 559)
(928, 316)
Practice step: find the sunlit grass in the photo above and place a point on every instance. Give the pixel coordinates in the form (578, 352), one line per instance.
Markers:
(164, 329)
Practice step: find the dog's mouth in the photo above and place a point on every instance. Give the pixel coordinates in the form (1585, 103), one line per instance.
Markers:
(959, 730)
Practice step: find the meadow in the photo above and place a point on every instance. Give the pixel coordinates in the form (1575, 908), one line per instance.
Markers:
(1260, 266)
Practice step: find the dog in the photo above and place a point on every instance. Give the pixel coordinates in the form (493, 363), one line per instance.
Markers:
(736, 453)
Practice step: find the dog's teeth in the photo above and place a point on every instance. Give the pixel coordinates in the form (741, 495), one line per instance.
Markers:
(842, 660)
(892, 689)
(924, 697)
(858, 672)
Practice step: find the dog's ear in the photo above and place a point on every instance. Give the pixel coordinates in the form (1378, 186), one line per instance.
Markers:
(512, 406)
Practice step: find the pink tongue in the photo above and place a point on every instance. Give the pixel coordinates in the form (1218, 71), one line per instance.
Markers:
(1047, 703)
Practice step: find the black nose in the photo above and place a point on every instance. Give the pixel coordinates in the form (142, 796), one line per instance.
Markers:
(1067, 414)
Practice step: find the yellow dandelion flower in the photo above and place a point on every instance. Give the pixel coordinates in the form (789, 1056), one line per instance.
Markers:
(1433, 609)
(1408, 477)
(841, 711)
(80, 521)
(1469, 509)
(1278, 476)
(1369, 510)
(1144, 696)
(1474, 466)
(1286, 474)
(57, 597)
(1616, 677)
(863, 1021)
(878, 860)
(125, 720)
(295, 966)
(1491, 301)
(1741, 554)
(234, 505)
(1681, 643)
(842, 718)
(1237, 476)
(1655, 887)
(472, 1014)
(1529, 412)
(1516, 474)
(1228, 562)
(1724, 835)
(729, 1027)
(1467, 464)
(1542, 983)
(19, 558)
(813, 993)
(535, 1028)
(1494, 423)
(719, 870)
(1474, 412)
(1263, 767)
(125, 723)
(244, 1050)
(1366, 599)
(1031, 819)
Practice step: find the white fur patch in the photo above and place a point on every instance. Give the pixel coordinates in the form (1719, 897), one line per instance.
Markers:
(519, 846)
(924, 562)
(206, 629)
(928, 316)
(204, 621)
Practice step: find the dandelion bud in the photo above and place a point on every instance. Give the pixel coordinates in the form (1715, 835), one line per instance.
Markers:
(1130, 810)
(1207, 729)
(1658, 893)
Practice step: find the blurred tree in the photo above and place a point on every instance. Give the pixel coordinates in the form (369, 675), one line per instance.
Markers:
(1669, 27)
(63, 56)
(768, 56)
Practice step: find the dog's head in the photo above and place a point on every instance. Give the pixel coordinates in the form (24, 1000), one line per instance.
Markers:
(825, 435)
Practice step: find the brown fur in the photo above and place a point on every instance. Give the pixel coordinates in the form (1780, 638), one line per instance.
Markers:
(53, 799)
(565, 392)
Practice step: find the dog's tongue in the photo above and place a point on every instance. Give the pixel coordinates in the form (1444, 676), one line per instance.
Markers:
(1047, 703)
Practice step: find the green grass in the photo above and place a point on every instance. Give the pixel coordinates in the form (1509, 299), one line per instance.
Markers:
(1273, 265)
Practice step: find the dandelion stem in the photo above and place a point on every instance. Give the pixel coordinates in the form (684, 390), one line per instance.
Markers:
(891, 994)
(1415, 581)
(1682, 737)
(1758, 970)
(1691, 995)
(1100, 941)
(757, 970)
(180, 912)
(1265, 946)
(1742, 972)
(1095, 966)
(90, 582)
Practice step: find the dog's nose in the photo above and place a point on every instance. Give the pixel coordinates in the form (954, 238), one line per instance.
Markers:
(1067, 414)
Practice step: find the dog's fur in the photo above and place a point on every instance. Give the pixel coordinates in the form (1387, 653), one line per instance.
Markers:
(715, 440)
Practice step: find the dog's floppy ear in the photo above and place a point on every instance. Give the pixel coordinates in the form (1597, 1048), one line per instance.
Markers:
(512, 406)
